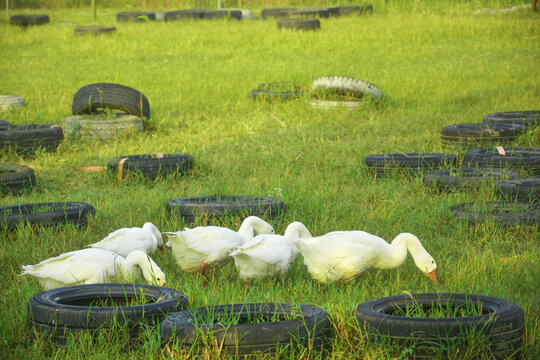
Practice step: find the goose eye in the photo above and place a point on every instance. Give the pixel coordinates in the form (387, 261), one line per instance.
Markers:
(433, 262)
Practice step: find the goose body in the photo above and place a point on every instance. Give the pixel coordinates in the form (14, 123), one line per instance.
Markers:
(123, 241)
(344, 255)
(195, 248)
(268, 255)
(93, 266)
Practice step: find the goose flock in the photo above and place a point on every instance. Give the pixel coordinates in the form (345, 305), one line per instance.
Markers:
(256, 251)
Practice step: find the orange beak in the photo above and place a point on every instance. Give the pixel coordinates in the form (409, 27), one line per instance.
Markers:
(433, 275)
(162, 248)
(163, 284)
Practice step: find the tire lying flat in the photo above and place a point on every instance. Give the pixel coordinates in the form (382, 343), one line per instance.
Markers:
(283, 325)
(194, 14)
(29, 20)
(135, 16)
(4, 124)
(100, 128)
(348, 10)
(151, 165)
(60, 312)
(478, 134)
(525, 118)
(448, 179)
(25, 139)
(14, 178)
(8, 102)
(225, 205)
(90, 98)
(412, 163)
(277, 91)
(343, 85)
(515, 157)
(277, 13)
(94, 30)
(222, 14)
(299, 24)
(502, 323)
(45, 214)
(504, 213)
(524, 189)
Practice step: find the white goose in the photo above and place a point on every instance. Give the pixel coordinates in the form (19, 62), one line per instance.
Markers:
(93, 266)
(123, 241)
(268, 255)
(344, 255)
(196, 248)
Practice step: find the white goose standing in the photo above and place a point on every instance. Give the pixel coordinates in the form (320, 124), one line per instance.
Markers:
(196, 248)
(93, 266)
(344, 255)
(123, 241)
(268, 255)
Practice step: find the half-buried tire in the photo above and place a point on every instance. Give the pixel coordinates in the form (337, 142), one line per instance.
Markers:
(253, 329)
(499, 323)
(14, 178)
(62, 312)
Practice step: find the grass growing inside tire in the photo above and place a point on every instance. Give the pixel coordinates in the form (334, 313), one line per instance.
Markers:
(436, 62)
(439, 310)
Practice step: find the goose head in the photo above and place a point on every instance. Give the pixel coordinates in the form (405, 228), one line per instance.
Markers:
(154, 230)
(254, 225)
(425, 262)
(150, 270)
(297, 230)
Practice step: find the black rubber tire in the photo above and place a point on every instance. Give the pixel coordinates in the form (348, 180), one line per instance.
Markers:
(276, 13)
(413, 163)
(56, 213)
(525, 118)
(29, 20)
(92, 97)
(310, 327)
(59, 312)
(222, 14)
(502, 322)
(299, 24)
(320, 12)
(352, 9)
(225, 205)
(346, 86)
(135, 16)
(277, 91)
(194, 14)
(472, 178)
(9, 102)
(504, 213)
(4, 124)
(94, 30)
(100, 128)
(151, 166)
(480, 133)
(524, 189)
(28, 138)
(13, 177)
(517, 157)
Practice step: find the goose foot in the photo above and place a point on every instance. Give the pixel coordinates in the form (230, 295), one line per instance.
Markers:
(203, 272)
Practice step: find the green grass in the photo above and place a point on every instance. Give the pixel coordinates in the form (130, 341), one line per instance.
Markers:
(436, 66)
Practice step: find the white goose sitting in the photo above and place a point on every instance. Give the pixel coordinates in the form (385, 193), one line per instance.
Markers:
(93, 266)
(123, 241)
(196, 248)
(267, 255)
(344, 255)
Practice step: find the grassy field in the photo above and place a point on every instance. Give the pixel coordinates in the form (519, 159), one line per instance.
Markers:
(435, 66)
